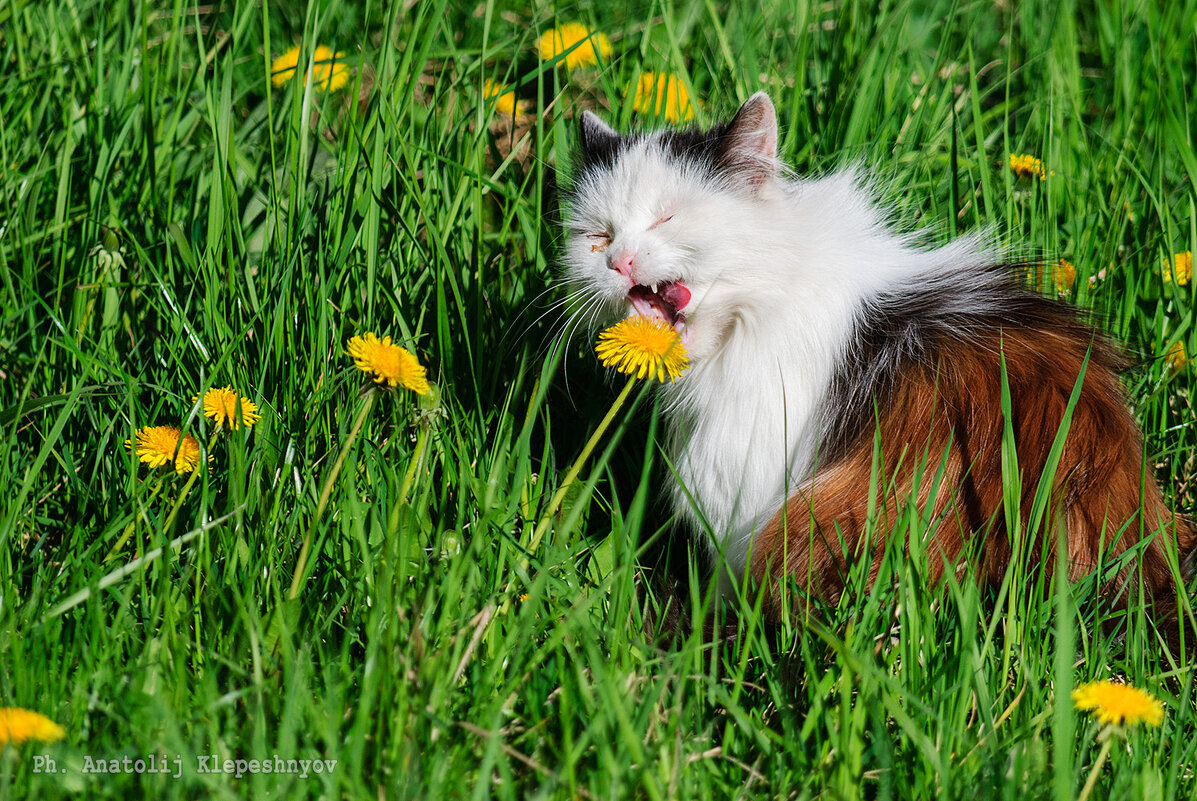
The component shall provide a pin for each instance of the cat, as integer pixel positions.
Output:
(815, 330)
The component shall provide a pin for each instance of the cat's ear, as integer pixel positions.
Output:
(596, 134)
(749, 146)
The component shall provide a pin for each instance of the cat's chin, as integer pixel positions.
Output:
(665, 301)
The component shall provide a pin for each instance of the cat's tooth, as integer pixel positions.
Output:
(654, 287)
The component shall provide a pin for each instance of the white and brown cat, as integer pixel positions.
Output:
(814, 327)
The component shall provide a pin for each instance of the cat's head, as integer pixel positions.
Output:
(658, 223)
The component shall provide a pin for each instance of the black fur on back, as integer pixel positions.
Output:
(901, 329)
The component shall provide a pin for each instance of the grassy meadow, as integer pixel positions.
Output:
(363, 575)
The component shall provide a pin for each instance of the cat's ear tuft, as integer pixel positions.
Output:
(596, 134)
(749, 146)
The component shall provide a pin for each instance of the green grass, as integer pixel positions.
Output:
(260, 228)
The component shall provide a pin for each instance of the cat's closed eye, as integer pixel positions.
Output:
(661, 221)
(599, 241)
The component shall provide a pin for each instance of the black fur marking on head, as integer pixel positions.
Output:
(710, 151)
(600, 145)
(704, 149)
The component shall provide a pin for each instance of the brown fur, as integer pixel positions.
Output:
(943, 416)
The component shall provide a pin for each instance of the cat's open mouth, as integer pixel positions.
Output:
(663, 300)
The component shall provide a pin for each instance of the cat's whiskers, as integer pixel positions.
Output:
(587, 321)
(555, 306)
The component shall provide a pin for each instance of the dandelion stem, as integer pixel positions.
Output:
(576, 467)
(183, 493)
(1097, 765)
(137, 516)
(325, 492)
(416, 459)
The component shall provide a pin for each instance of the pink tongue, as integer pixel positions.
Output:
(676, 295)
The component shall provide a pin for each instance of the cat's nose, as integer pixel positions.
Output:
(621, 263)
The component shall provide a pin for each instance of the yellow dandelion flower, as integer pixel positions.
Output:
(1180, 270)
(388, 362)
(18, 725)
(503, 99)
(1114, 703)
(156, 445)
(1176, 358)
(660, 95)
(1025, 166)
(583, 47)
(1065, 275)
(328, 71)
(643, 346)
(222, 405)
(283, 68)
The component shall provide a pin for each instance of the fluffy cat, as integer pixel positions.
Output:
(814, 327)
